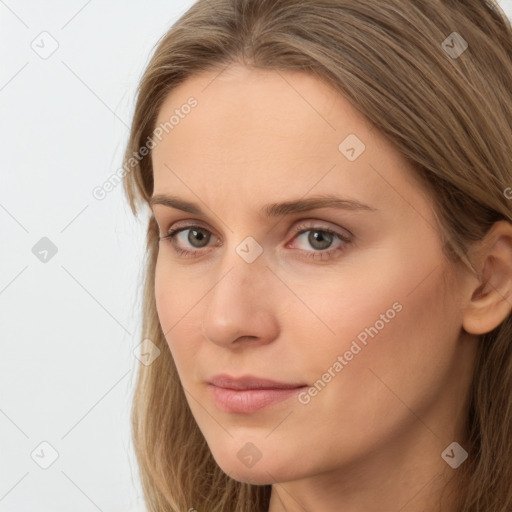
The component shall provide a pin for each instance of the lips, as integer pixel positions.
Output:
(248, 394)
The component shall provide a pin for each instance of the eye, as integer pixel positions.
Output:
(320, 239)
(197, 236)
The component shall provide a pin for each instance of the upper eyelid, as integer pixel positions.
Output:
(194, 222)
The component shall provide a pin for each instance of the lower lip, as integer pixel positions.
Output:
(249, 400)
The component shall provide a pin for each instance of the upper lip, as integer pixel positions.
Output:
(250, 382)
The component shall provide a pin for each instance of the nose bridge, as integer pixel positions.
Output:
(238, 305)
(239, 281)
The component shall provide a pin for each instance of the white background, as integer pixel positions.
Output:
(69, 325)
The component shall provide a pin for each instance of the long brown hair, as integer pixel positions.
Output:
(448, 109)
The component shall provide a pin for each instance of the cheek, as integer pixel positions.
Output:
(393, 299)
(175, 300)
(175, 292)
(397, 345)
(390, 318)
(420, 350)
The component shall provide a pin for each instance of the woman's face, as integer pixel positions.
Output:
(352, 302)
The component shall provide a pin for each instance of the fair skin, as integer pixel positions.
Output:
(372, 438)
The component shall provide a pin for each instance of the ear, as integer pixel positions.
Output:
(491, 297)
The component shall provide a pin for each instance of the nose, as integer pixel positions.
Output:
(239, 308)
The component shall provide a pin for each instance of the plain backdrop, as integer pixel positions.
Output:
(70, 263)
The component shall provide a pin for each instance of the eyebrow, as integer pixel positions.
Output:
(272, 209)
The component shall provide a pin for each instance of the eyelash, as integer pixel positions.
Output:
(299, 230)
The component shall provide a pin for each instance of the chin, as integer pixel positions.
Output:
(261, 472)
(248, 477)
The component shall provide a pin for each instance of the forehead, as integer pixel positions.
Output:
(284, 104)
(277, 133)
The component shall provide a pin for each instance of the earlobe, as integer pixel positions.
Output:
(491, 299)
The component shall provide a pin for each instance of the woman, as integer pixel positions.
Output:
(328, 289)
